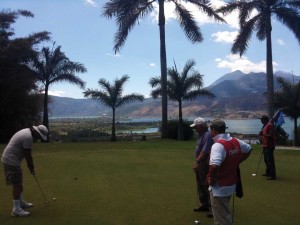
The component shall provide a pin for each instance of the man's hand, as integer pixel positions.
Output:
(196, 166)
(32, 171)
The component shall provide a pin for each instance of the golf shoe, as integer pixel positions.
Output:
(20, 213)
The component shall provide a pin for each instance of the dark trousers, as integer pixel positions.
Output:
(202, 187)
(269, 161)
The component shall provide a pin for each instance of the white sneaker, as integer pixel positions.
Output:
(20, 212)
(26, 205)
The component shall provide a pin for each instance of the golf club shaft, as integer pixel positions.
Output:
(40, 188)
(259, 162)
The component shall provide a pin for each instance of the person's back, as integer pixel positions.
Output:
(13, 153)
(226, 155)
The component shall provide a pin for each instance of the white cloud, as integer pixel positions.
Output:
(152, 64)
(55, 93)
(113, 55)
(224, 36)
(280, 42)
(235, 62)
(91, 3)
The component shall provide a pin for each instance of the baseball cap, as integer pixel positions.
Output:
(42, 130)
(218, 123)
(198, 121)
(264, 116)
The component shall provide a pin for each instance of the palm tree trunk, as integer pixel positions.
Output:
(113, 126)
(163, 68)
(45, 113)
(270, 83)
(180, 122)
(295, 132)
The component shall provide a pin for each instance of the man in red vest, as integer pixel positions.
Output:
(226, 155)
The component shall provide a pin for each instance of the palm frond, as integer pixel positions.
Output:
(205, 7)
(240, 44)
(128, 99)
(291, 19)
(155, 93)
(155, 81)
(188, 23)
(128, 14)
(192, 95)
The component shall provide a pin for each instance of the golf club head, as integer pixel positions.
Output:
(197, 222)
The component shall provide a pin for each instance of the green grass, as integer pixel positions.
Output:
(142, 183)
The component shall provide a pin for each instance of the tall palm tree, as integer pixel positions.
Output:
(111, 96)
(130, 12)
(184, 86)
(285, 11)
(288, 98)
(53, 66)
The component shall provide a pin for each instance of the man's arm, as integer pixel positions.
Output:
(213, 174)
(29, 160)
(202, 157)
(245, 156)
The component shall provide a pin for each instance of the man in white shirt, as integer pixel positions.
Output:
(18, 148)
(226, 155)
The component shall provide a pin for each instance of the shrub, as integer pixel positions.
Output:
(173, 130)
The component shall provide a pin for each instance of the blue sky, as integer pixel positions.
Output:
(87, 37)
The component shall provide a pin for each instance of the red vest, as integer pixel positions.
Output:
(228, 169)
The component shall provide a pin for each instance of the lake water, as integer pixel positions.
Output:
(247, 126)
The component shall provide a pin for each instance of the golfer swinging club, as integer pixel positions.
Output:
(19, 147)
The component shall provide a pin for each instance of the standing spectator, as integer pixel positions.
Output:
(202, 151)
(267, 135)
(19, 147)
(226, 155)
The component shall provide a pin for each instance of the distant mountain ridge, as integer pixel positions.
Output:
(238, 95)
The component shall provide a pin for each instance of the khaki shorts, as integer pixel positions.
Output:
(13, 174)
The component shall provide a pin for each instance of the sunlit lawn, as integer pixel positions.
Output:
(142, 183)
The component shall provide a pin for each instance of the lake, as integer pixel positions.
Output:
(246, 126)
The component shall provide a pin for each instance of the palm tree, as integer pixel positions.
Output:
(53, 66)
(288, 98)
(111, 96)
(285, 11)
(184, 86)
(130, 12)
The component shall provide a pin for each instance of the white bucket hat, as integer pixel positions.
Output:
(42, 130)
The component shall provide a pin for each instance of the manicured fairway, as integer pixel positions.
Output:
(143, 183)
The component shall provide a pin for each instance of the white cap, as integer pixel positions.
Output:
(198, 121)
(42, 130)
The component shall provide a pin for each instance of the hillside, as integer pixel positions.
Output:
(238, 95)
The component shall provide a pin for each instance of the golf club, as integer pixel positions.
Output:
(254, 174)
(197, 200)
(46, 201)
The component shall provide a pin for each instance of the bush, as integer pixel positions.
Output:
(173, 130)
(78, 135)
(281, 136)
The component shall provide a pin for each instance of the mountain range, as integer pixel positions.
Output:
(238, 95)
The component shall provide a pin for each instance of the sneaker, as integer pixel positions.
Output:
(20, 212)
(26, 205)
